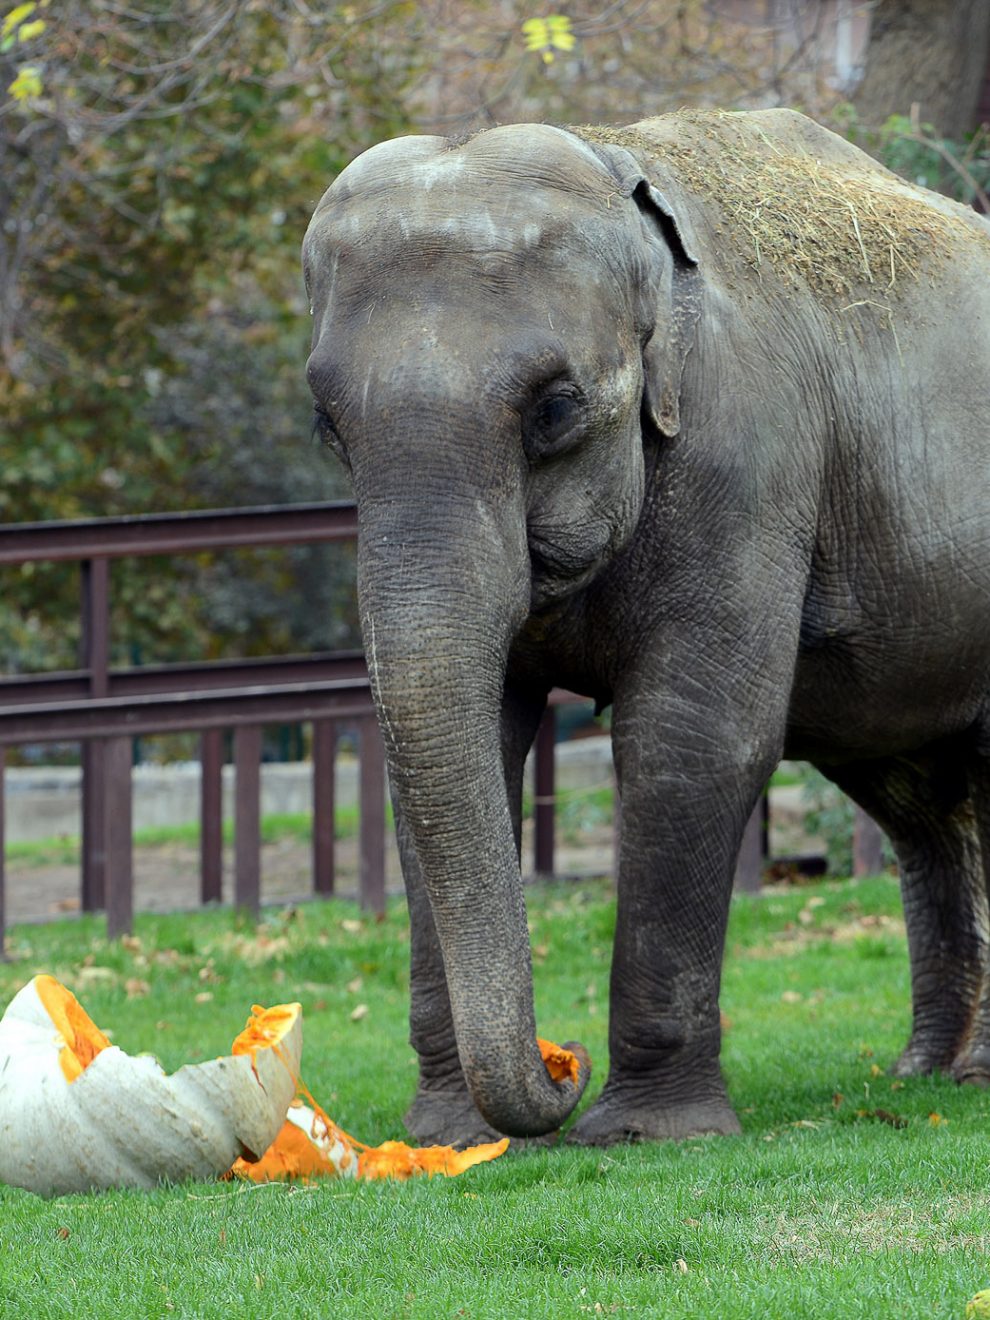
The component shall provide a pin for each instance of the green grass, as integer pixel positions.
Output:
(821, 1208)
(64, 850)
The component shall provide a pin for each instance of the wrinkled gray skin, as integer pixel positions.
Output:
(581, 457)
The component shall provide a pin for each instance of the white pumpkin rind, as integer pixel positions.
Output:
(326, 1141)
(124, 1122)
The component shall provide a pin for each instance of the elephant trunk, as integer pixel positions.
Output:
(439, 605)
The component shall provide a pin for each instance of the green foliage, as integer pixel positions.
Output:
(18, 29)
(830, 815)
(152, 322)
(915, 151)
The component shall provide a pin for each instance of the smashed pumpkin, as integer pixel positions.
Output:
(78, 1114)
(310, 1145)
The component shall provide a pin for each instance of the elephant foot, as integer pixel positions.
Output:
(622, 1116)
(447, 1118)
(451, 1118)
(921, 1057)
(972, 1066)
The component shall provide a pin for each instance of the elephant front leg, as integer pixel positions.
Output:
(686, 798)
(664, 1028)
(443, 1111)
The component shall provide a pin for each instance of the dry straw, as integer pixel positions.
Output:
(842, 225)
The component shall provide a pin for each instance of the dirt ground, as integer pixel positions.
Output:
(166, 877)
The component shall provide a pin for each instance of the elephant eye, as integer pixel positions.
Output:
(553, 423)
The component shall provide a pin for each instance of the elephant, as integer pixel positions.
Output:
(690, 417)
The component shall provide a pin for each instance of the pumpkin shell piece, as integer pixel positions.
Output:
(122, 1121)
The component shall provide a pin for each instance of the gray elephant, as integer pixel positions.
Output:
(692, 417)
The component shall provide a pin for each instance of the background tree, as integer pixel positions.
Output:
(159, 164)
(930, 53)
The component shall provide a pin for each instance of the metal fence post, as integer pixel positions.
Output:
(118, 753)
(544, 806)
(247, 818)
(324, 751)
(95, 647)
(211, 816)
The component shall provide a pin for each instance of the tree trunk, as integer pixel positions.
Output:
(933, 53)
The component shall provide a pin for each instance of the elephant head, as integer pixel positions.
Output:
(495, 324)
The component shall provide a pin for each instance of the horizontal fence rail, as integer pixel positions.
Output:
(105, 708)
(178, 533)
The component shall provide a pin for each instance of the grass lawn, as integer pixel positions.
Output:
(848, 1194)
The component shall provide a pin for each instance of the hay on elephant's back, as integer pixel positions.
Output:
(844, 229)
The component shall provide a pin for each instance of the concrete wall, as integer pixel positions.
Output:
(45, 803)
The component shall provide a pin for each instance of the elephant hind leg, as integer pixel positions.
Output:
(972, 1062)
(924, 806)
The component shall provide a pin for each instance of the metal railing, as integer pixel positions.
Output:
(106, 708)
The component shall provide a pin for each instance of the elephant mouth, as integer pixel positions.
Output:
(561, 562)
(560, 567)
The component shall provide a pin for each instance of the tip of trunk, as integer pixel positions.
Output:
(539, 1105)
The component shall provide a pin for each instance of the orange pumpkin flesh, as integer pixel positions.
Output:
(300, 1155)
(303, 1149)
(394, 1159)
(264, 1030)
(296, 1154)
(83, 1038)
(562, 1065)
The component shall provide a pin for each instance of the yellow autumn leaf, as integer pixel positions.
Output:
(548, 34)
(16, 17)
(28, 30)
(27, 84)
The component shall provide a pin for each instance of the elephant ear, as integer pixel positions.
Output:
(669, 281)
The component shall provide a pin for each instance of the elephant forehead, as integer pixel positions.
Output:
(497, 228)
(537, 152)
(480, 183)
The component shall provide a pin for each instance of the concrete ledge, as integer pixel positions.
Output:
(45, 802)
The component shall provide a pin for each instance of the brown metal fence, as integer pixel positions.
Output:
(105, 709)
